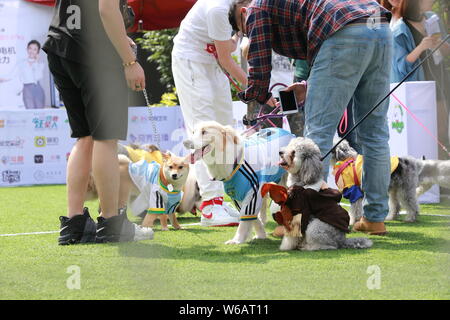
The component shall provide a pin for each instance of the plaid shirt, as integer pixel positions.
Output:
(295, 29)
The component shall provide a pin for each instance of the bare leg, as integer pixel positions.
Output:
(105, 169)
(126, 184)
(78, 171)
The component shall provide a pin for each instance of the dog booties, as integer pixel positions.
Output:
(323, 205)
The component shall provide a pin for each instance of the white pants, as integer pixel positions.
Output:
(204, 93)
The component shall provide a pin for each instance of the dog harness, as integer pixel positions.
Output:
(348, 176)
(258, 165)
(154, 197)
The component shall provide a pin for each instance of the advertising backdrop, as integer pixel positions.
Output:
(24, 74)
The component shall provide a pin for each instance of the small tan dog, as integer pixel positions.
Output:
(153, 188)
(150, 187)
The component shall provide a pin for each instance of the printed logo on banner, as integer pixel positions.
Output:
(49, 175)
(52, 141)
(148, 138)
(12, 160)
(39, 175)
(45, 122)
(11, 176)
(38, 158)
(397, 122)
(16, 143)
(13, 123)
(41, 141)
(145, 119)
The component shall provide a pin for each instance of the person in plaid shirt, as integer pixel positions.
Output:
(348, 45)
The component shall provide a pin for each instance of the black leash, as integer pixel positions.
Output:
(386, 97)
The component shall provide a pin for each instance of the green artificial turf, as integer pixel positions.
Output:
(412, 260)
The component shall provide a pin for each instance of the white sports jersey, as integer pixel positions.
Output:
(154, 197)
(259, 166)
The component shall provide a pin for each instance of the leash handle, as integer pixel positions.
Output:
(387, 96)
(343, 125)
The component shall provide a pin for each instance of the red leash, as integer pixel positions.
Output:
(211, 49)
(343, 125)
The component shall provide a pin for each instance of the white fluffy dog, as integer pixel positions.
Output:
(244, 165)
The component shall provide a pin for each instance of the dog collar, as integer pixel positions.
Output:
(237, 166)
(161, 181)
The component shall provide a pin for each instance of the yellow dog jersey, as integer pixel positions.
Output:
(348, 173)
(136, 155)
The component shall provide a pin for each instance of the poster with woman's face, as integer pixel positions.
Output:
(24, 74)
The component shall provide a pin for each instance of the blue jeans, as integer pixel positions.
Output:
(351, 138)
(356, 62)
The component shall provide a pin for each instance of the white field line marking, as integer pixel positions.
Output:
(50, 232)
(187, 225)
(27, 233)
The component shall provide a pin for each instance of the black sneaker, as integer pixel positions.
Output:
(120, 229)
(78, 229)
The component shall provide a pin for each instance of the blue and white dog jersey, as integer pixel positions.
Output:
(258, 165)
(154, 196)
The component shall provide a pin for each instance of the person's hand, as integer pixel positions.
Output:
(299, 89)
(135, 77)
(429, 42)
(131, 41)
(272, 102)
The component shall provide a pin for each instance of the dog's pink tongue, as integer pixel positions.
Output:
(199, 153)
(196, 155)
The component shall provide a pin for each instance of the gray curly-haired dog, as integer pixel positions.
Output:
(402, 187)
(301, 159)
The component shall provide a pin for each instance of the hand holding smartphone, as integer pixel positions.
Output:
(288, 102)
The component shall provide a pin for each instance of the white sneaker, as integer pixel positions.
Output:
(231, 210)
(142, 233)
(214, 214)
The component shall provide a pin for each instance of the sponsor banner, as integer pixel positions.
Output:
(35, 145)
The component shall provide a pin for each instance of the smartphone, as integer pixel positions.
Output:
(288, 102)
